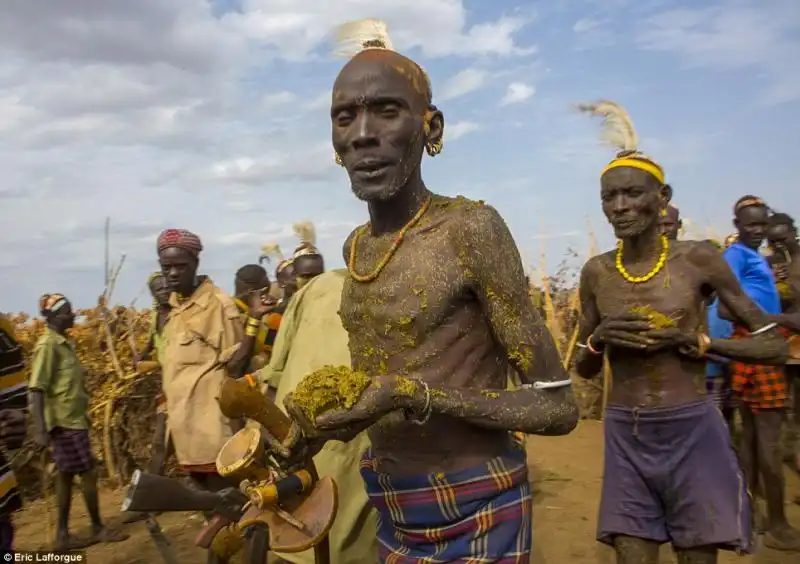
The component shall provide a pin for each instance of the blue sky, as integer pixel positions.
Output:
(214, 117)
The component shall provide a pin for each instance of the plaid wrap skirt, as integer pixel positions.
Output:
(481, 514)
(71, 450)
(758, 386)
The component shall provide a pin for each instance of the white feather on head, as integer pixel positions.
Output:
(618, 129)
(269, 251)
(305, 231)
(358, 35)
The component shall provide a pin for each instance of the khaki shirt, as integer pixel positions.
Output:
(312, 336)
(59, 375)
(202, 334)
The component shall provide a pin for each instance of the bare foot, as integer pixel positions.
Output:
(65, 543)
(109, 535)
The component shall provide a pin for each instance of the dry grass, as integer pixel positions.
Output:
(123, 402)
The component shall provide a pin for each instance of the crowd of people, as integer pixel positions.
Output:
(434, 290)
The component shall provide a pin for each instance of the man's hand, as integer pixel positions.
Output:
(671, 338)
(13, 428)
(257, 304)
(42, 439)
(625, 330)
(381, 397)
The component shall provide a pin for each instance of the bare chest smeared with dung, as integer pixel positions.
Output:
(674, 298)
(420, 318)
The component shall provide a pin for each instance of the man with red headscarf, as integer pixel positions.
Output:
(203, 344)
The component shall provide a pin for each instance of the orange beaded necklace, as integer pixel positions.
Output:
(398, 240)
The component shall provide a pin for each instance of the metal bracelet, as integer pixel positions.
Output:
(764, 329)
(426, 411)
(547, 385)
(590, 347)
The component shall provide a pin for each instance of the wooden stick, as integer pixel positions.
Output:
(46, 497)
(607, 383)
(575, 305)
(106, 271)
(111, 465)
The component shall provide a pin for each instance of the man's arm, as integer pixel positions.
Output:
(44, 366)
(236, 347)
(588, 364)
(766, 348)
(493, 265)
(790, 318)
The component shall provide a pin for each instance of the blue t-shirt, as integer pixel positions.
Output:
(755, 276)
(718, 328)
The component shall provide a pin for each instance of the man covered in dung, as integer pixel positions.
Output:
(671, 474)
(436, 308)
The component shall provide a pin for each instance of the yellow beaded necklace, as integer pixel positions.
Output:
(351, 263)
(662, 260)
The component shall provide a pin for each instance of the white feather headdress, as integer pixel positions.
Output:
(355, 36)
(307, 234)
(618, 129)
(619, 132)
(270, 251)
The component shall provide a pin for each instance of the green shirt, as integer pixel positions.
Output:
(58, 373)
(158, 337)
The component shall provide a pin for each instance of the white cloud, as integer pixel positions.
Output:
(763, 36)
(276, 99)
(459, 129)
(517, 92)
(166, 114)
(462, 83)
(585, 25)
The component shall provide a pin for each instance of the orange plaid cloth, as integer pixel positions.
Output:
(759, 386)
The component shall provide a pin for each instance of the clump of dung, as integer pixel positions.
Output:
(657, 319)
(330, 388)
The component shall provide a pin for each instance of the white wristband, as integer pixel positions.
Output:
(548, 385)
(764, 329)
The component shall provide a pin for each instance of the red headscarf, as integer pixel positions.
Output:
(181, 239)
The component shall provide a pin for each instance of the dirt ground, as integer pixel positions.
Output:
(566, 473)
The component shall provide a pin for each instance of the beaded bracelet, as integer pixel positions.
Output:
(703, 343)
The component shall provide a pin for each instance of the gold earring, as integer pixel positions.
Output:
(663, 212)
(337, 158)
(434, 149)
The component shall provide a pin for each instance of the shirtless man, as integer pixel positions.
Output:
(436, 293)
(785, 263)
(671, 474)
(671, 223)
(252, 299)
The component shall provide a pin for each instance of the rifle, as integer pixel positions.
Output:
(288, 497)
(149, 493)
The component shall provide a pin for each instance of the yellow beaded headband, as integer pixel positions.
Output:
(618, 131)
(646, 166)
